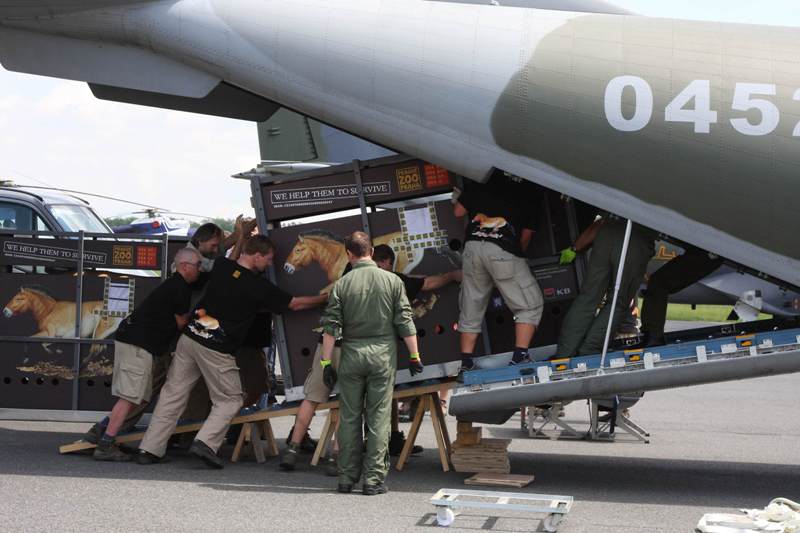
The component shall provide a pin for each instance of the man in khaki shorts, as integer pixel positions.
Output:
(498, 233)
(315, 392)
(142, 337)
(236, 291)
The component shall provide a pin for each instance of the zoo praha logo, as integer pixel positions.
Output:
(122, 256)
(408, 179)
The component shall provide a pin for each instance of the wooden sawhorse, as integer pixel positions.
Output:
(428, 401)
(258, 438)
(256, 435)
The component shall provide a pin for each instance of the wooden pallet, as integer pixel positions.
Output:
(258, 416)
(499, 480)
(490, 456)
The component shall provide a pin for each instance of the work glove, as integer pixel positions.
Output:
(328, 373)
(415, 365)
(568, 255)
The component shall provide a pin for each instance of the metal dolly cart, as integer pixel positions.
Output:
(555, 507)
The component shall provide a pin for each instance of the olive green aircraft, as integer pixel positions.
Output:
(690, 128)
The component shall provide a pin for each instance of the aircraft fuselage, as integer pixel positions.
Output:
(690, 128)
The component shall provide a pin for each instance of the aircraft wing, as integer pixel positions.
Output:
(116, 72)
(43, 8)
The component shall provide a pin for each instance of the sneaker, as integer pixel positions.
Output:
(201, 450)
(147, 458)
(373, 490)
(396, 443)
(289, 457)
(307, 445)
(465, 367)
(520, 357)
(110, 451)
(94, 434)
(344, 488)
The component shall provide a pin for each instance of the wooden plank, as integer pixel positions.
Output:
(499, 480)
(412, 436)
(427, 389)
(471, 438)
(265, 414)
(485, 445)
(464, 427)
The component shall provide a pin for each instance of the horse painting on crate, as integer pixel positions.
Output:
(56, 318)
(327, 250)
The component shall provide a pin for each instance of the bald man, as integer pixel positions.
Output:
(144, 336)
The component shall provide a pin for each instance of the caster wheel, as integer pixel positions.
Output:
(445, 516)
(551, 522)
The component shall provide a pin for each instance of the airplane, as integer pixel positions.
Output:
(689, 128)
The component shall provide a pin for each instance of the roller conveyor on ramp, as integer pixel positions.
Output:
(492, 396)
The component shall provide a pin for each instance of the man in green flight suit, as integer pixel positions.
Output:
(583, 330)
(368, 309)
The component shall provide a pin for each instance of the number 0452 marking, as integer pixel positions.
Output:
(693, 105)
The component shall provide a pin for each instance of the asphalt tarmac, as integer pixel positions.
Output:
(714, 448)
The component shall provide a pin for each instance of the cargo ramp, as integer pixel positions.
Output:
(710, 355)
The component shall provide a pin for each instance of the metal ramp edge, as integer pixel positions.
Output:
(490, 395)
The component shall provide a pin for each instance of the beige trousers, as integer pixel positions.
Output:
(191, 362)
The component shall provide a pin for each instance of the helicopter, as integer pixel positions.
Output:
(155, 222)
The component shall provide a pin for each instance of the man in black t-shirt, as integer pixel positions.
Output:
(499, 229)
(236, 291)
(144, 335)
